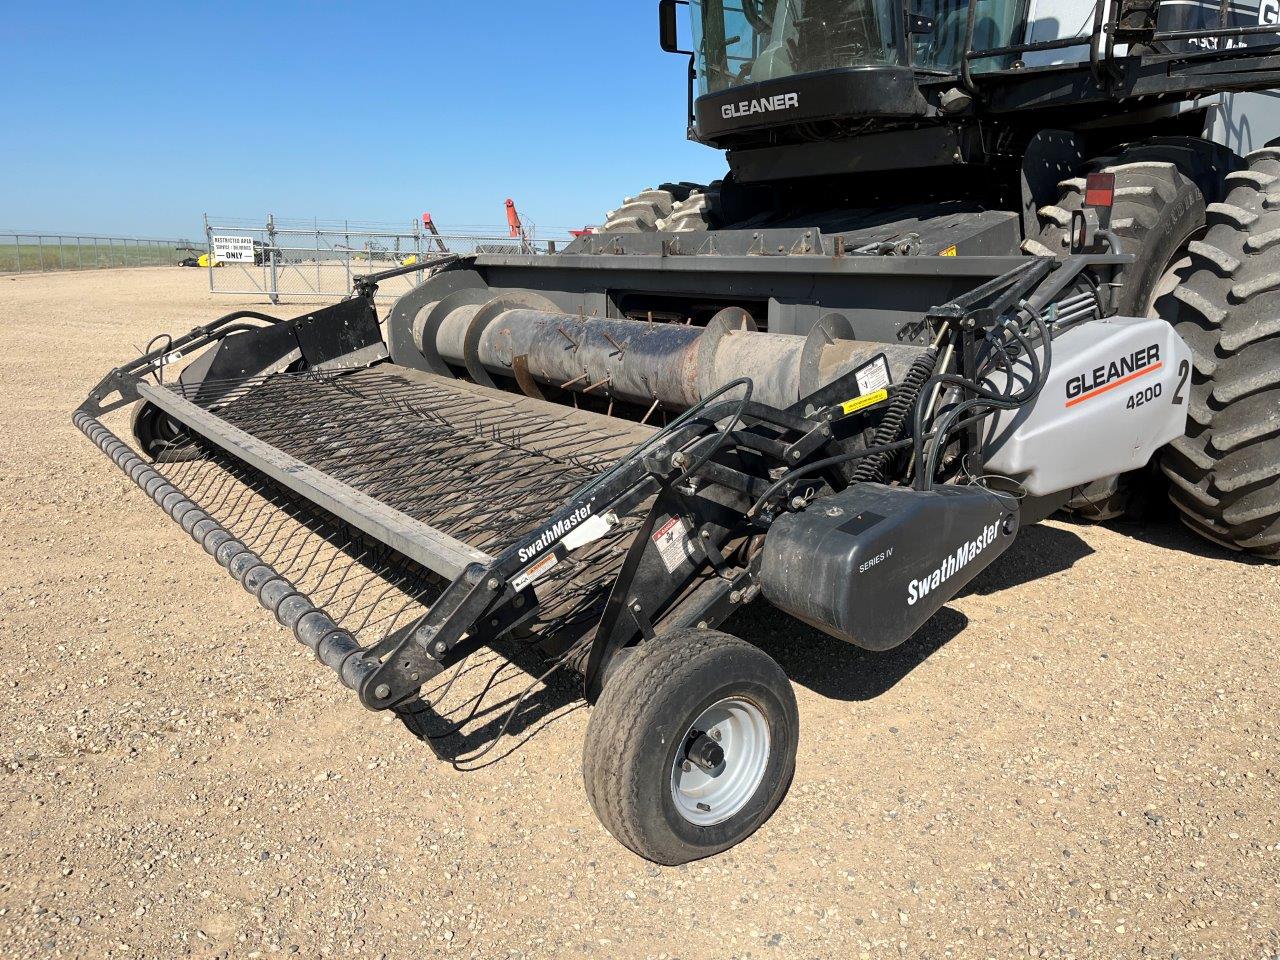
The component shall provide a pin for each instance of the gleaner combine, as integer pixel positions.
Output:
(955, 279)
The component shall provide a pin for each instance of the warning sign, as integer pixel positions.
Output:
(861, 403)
(672, 541)
(873, 375)
(233, 249)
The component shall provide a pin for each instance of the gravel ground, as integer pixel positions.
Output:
(1075, 758)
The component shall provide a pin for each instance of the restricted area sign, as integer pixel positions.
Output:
(233, 249)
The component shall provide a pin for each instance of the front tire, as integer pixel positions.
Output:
(668, 789)
(1225, 473)
(1158, 208)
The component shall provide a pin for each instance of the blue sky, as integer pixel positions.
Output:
(137, 118)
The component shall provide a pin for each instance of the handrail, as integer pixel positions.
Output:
(1103, 53)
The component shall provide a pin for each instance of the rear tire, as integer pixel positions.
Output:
(1225, 473)
(679, 207)
(642, 728)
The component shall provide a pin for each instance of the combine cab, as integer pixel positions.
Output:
(942, 293)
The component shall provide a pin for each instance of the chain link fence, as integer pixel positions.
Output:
(42, 252)
(311, 259)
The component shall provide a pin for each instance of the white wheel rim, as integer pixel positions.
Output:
(707, 797)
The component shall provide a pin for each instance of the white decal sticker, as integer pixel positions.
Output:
(592, 529)
(534, 571)
(672, 540)
(554, 533)
(873, 376)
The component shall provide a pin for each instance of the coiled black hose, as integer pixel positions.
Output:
(872, 469)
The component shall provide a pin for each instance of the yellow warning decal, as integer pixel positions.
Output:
(864, 401)
(949, 252)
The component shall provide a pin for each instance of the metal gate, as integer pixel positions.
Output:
(317, 259)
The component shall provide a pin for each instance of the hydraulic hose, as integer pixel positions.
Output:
(985, 398)
(872, 469)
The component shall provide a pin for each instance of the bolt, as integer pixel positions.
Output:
(493, 583)
(441, 646)
(414, 675)
(795, 454)
(686, 766)
(705, 534)
(382, 691)
(635, 608)
(519, 601)
(716, 734)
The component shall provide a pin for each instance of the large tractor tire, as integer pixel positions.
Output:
(681, 207)
(1225, 473)
(1160, 198)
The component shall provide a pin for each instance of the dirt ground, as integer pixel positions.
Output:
(1076, 758)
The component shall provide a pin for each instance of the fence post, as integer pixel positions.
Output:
(346, 250)
(17, 252)
(208, 245)
(273, 291)
(40, 250)
(79, 253)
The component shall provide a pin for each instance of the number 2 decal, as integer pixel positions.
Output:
(1184, 371)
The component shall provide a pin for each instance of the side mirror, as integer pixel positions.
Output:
(667, 26)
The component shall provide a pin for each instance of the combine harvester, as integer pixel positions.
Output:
(954, 281)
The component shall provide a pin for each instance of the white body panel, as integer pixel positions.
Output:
(1117, 391)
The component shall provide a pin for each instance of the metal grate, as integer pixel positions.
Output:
(483, 466)
(476, 465)
(366, 587)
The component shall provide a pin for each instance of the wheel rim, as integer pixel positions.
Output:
(707, 797)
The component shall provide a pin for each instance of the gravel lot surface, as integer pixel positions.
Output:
(1078, 757)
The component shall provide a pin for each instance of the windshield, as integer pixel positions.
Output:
(747, 41)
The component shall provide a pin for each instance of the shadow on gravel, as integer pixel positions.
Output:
(842, 671)
(833, 668)
(498, 704)
(1037, 552)
(501, 705)
(1168, 533)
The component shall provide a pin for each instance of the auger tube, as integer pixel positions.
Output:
(637, 362)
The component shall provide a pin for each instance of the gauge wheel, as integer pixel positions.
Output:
(691, 746)
(159, 436)
(1224, 475)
